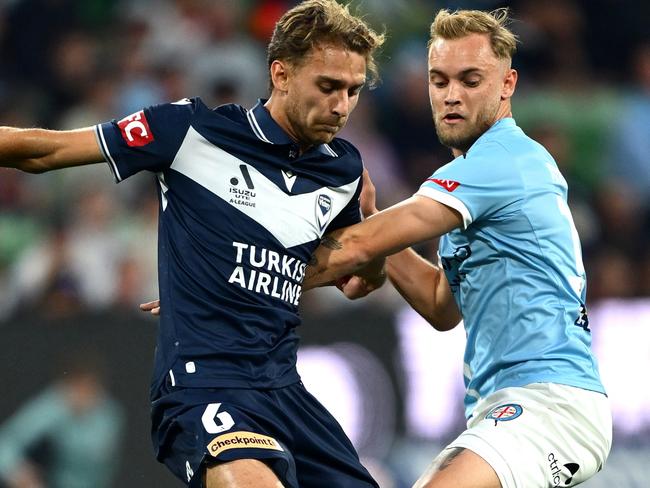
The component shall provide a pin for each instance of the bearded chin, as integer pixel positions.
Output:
(464, 140)
(461, 142)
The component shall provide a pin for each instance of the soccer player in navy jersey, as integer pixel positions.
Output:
(245, 198)
(510, 268)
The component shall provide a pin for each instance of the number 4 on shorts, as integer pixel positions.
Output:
(214, 422)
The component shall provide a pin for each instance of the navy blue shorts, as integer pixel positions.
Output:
(287, 428)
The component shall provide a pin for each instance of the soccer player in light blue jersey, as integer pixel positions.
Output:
(510, 268)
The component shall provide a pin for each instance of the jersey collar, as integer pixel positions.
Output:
(266, 129)
(499, 124)
(504, 122)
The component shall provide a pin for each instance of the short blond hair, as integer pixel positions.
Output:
(461, 23)
(315, 22)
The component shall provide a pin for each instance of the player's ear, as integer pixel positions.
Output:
(509, 83)
(280, 72)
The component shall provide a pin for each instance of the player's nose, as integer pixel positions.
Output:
(342, 104)
(452, 97)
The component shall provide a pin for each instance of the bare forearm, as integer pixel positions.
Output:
(374, 273)
(414, 220)
(335, 258)
(40, 150)
(320, 271)
(424, 286)
(22, 148)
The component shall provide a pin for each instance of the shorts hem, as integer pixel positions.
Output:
(487, 452)
(276, 461)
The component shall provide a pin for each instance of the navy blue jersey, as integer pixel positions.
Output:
(241, 212)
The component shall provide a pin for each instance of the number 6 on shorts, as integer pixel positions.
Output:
(210, 418)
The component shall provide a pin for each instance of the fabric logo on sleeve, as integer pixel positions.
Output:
(242, 440)
(135, 129)
(449, 185)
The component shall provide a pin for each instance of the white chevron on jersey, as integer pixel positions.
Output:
(163, 189)
(289, 179)
(183, 101)
(291, 219)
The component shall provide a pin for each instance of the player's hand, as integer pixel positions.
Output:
(368, 197)
(354, 287)
(151, 307)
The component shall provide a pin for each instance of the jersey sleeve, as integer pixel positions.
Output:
(146, 140)
(351, 213)
(483, 185)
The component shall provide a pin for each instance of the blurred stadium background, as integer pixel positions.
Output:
(77, 253)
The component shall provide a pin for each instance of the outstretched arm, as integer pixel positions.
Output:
(423, 285)
(347, 250)
(40, 150)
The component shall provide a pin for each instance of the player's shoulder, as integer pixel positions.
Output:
(231, 111)
(169, 115)
(194, 112)
(510, 154)
(497, 142)
(349, 154)
(505, 143)
(348, 162)
(184, 105)
(196, 107)
(506, 137)
(489, 157)
(343, 147)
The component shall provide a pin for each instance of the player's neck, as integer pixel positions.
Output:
(503, 112)
(279, 115)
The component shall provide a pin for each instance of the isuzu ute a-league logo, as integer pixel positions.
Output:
(323, 210)
(242, 194)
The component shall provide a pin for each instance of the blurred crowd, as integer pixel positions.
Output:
(72, 239)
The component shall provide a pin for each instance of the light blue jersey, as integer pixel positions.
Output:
(515, 267)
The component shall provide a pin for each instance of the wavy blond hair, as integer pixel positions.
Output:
(453, 25)
(323, 21)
